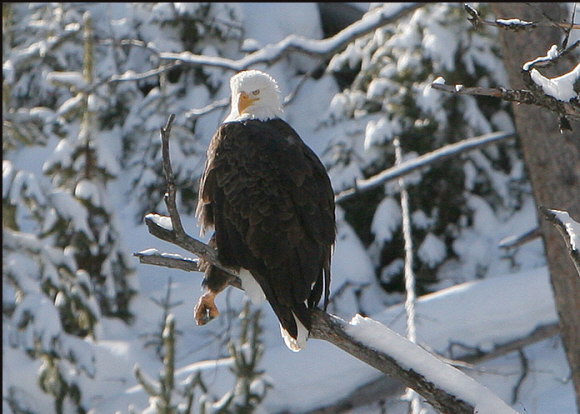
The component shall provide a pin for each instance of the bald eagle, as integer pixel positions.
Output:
(270, 202)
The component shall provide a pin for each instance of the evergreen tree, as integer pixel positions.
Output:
(81, 168)
(390, 96)
(63, 267)
(48, 302)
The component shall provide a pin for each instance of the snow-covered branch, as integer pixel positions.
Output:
(569, 229)
(423, 161)
(171, 260)
(469, 356)
(446, 388)
(559, 94)
(325, 47)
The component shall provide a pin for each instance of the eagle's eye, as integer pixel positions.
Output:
(256, 92)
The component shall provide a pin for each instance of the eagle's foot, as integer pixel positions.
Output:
(205, 310)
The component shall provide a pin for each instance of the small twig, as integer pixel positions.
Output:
(512, 24)
(175, 261)
(525, 368)
(171, 189)
(544, 61)
(290, 97)
(130, 76)
(568, 30)
(139, 43)
(519, 240)
(475, 355)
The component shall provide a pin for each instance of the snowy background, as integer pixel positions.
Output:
(81, 168)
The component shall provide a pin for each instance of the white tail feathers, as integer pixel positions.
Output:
(251, 287)
(298, 343)
(256, 294)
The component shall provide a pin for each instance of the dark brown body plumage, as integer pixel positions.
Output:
(270, 201)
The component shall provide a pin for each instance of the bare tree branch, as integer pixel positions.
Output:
(175, 234)
(524, 96)
(132, 76)
(525, 370)
(176, 261)
(215, 105)
(171, 190)
(477, 356)
(423, 161)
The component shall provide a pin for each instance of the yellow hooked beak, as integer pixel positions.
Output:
(245, 101)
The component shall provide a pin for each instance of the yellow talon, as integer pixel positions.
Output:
(205, 310)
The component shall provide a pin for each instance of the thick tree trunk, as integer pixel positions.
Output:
(552, 159)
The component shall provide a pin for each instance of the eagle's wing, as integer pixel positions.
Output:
(271, 203)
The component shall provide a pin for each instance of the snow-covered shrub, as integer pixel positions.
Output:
(168, 395)
(48, 303)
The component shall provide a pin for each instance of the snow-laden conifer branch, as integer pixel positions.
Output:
(423, 161)
(444, 387)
